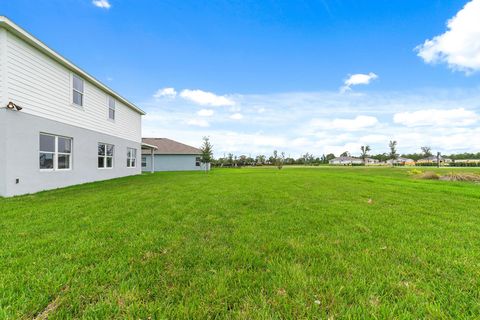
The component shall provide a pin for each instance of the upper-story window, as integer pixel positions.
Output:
(111, 108)
(78, 87)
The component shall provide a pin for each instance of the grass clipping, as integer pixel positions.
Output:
(452, 176)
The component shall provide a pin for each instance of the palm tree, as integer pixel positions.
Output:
(364, 153)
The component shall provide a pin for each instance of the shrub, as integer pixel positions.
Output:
(415, 171)
(429, 175)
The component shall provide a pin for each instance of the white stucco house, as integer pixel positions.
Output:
(346, 161)
(170, 155)
(59, 126)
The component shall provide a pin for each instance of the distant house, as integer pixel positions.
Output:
(433, 159)
(170, 155)
(402, 161)
(468, 161)
(345, 161)
(371, 161)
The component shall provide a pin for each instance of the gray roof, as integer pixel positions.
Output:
(168, 146)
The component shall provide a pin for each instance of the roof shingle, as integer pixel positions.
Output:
(167, 146)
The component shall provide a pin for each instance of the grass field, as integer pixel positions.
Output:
(244, 243)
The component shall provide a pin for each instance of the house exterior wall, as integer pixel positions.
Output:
(3, 153)
(43, 87)
(173, 163)
(20, 159)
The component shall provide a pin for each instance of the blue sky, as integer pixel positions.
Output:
(262, 75)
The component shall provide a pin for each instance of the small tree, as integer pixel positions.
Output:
(278, 160)
(427, 151)
(364, 153)
(207, 153)
(393, 155)
(345, 154)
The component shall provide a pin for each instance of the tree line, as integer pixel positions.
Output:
(279, 159)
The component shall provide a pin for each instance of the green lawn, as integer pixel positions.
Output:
(244, 243)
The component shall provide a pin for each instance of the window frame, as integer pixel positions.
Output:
(105, 157)
(130, 158)
(114, 109)
(55, 153)
(144, 163)
(198, 161)
(82, 93)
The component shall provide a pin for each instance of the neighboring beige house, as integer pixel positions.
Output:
(433, 159)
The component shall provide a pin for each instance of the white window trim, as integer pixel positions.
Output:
(130, 158)
(56, 153)
(72, 75)
(105, 156)
(114, 108)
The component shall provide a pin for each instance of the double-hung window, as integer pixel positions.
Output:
(111, 108)
(144, 162)
(197, 161)
(131, 158)
(78, 88)
(55, 152)
(105, 155)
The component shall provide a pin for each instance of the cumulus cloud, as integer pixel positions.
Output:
(459, 46)
(102, 4)
(198, 123)
(205, 98)
(236, 116)
(341, 122)
(165, 93)
(436, 117)
(205, 112)
(358, 79)
(355, 124)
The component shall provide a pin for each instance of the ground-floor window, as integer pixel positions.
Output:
(197, 161)
(105, 155)
(131, 158)
(144, 162)
(55, 152)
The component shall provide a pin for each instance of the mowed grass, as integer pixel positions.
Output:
(247, 244)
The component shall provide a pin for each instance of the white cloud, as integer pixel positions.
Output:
(341, 122)
(355, 124)
(459, 46)
(205, 112)
(102, 4)
(358, 79)
(165, 93)
(205, 98)
(198, 123)
(436, 117)
(236, 116)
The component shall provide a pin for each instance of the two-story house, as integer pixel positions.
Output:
(59, 126)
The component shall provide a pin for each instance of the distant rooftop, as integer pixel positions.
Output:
(168, 146)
